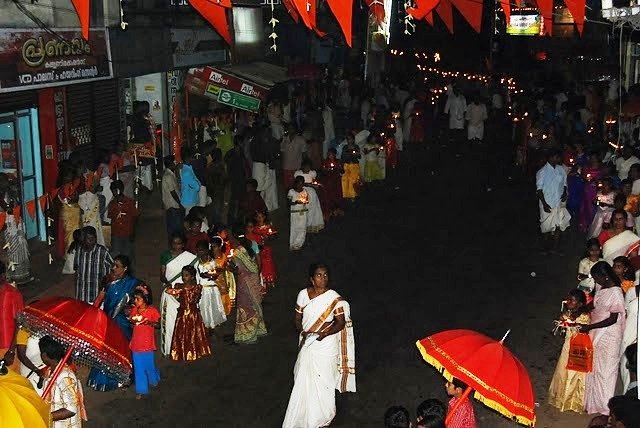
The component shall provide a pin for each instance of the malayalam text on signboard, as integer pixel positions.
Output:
(31, 59)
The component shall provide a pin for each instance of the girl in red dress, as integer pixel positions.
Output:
(263, 231)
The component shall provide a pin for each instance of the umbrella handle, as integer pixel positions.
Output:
(56, 373)
(459, 401)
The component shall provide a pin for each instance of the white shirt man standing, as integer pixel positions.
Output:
(476, 115)
(551, 185)
(456, 107)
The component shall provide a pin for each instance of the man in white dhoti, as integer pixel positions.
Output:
(551, 185)
(329, 129)
(326, 356)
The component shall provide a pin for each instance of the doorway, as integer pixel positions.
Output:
(20, 159)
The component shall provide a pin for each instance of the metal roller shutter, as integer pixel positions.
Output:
(106, 115)
(12, 101)
(93, 110)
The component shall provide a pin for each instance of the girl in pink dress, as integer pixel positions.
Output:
(606, 328)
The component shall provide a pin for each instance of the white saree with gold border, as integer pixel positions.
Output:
(322, 366)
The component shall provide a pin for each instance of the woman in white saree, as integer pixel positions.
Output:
(617, 240)
(172, 261)
(326, 356)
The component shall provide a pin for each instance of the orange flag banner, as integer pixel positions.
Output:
(343, 10)
(546, 10)
(577, 9)
(42, 200)
(506, 8)
(3, 219)
(215, 14)
(445, 11)
(471, 11)
(82, 10)
(31, 208)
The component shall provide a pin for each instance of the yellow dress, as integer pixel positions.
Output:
(567, 388)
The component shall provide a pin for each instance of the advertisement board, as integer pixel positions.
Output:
(524, 25)
(226, 88)
(34, 58)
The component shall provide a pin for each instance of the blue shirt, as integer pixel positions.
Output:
(189, 186)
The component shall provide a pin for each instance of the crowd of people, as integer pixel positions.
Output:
(595, 188)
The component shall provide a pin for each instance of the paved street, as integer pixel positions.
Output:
(427, 250)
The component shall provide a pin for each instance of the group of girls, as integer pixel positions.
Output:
(605, 306)
(202, 287)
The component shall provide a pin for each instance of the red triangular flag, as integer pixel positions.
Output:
(446, 14)
(216, 15)
(506, 8)
(471, 11)
(307, 11)
(343, 9)
(43, 203)
(17, 213)
(3, 219)
(82, 10)
(424, 7)
(546, 10)
(577, 7)
(291, 8)
(31, 208)
(377, 9)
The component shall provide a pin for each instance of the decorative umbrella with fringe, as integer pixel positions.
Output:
(499, 379)
(92, 337)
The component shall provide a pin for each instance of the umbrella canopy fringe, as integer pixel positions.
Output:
(484, 400)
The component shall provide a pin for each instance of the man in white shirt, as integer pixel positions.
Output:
(456, 107)
(624, 162)
(551, 185)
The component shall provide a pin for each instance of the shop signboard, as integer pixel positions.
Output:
(34, 58)
(208, 78)
(238, 100)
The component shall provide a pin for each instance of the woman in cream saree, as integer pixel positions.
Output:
(326, 356)
(172, 261)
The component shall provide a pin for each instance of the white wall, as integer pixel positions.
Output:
(153, 89)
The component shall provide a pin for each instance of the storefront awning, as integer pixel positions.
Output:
(262, 73)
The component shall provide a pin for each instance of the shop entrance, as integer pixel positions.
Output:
(20, 159)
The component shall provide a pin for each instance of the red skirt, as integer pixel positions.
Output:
(332, 192)
(268, 266)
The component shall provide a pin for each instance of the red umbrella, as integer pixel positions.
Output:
(499, 379)
(92, 337)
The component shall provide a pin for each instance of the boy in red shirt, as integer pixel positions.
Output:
(123, 214)
(464, 417)
(143, 343)
(194, 234)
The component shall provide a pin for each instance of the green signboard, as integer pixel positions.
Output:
(238, 100)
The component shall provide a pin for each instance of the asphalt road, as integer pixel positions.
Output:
(427, 250)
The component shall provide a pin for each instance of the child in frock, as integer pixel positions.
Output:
(144, 318)
(566, 391)
(189, 341)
